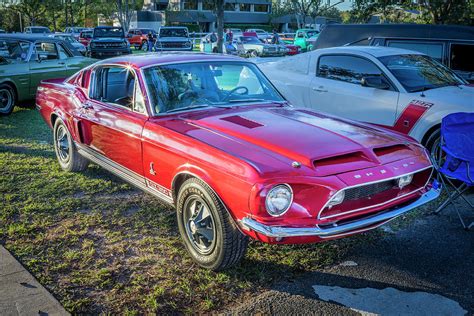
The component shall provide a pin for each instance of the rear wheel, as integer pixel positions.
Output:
(209, 233)
(68, 157)
(253, 53)
(7, 99)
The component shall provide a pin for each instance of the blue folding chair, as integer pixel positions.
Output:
(457, 142)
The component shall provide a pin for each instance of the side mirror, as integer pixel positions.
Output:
(376, 82)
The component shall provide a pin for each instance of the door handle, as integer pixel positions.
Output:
(87, 106)
(320, 89)
(61, 63)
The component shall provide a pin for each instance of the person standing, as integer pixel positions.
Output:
(275, 37)
(150, 41)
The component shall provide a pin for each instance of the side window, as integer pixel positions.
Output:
(46, 51)
(300, 35)
(346, 68)
(139, 101)
(434, 50)
(461, 57)
(114, 85)
(63, 53)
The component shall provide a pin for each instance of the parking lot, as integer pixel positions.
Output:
(100, 255)
(236, 158)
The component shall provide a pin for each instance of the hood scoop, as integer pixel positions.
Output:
(242, 121)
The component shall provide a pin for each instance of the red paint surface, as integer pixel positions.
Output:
(409, 117)
(240, 152)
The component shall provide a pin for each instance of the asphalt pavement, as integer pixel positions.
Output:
(20, 292)
(424, 268)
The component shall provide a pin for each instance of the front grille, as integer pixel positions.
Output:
(108, 45)
(369, 190)
(172, 44)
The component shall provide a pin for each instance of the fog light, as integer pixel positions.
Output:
(338, 198)
(404, 181)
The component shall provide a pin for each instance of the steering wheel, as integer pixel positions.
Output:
(233, 91)
(187, 93)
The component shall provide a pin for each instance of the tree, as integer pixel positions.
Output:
(304, 8)
(125, 11)
(444, 11)
(219, 8)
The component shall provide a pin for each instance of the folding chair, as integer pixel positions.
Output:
(457, 142)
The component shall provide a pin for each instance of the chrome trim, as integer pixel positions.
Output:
(289, 205)
(373, 182)
(361, 225)
(126, 174)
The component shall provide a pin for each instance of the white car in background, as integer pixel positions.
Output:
(400, 89)
(261, 34)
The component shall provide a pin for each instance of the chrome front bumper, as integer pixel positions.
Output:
(336, 231)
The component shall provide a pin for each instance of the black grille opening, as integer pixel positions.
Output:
(369, 190)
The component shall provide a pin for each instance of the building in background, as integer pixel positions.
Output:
(200, 12)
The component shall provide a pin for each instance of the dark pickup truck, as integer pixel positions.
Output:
(108, 41)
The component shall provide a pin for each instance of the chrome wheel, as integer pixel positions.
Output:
(62, 143)
(6, 99)
(253, 54)
(437, 154)
(199, 225)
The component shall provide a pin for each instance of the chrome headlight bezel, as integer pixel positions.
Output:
(337, 198)
(274, 211)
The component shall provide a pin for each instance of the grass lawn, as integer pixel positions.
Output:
(101, 246)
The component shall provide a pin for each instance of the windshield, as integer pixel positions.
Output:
(13, 50)
(219, 84)
(250, 39)
(69, 39)
(40, 30)
(420, 72)
(108, 32)
(312, 33)
(173, 33)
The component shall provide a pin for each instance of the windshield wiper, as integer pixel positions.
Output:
(245, 100)
(188, 108)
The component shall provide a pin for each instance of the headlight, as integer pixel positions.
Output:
(405, 180)
(338, 198)
(279, 200)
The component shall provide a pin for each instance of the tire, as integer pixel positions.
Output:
(201, 215)
(253, 53)
(7, 99)
(433, 146)
(66, 153)
(214, 50)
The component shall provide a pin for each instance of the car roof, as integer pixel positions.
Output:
(150, 59)
(341, 34)
(173, 27)
(29, 37)
(375, 51)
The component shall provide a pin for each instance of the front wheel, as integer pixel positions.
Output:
(433, 144)
(68, 157)
(208, 231)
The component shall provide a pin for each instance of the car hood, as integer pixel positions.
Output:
(300, 135)
(462, 96)
(173, 39)
(108, 40)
